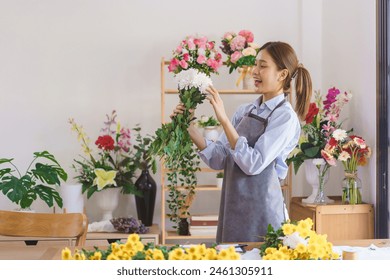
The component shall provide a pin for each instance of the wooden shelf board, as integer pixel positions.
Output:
(199, 188)
(171, 234)
(226, 91)
(202, 169)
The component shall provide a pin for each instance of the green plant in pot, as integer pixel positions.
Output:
(37, 182)
(172, 142)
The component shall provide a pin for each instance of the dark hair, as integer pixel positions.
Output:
(285, 57)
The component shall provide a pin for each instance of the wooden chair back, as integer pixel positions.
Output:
(53, 225)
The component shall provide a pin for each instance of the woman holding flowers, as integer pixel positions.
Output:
(255, 144)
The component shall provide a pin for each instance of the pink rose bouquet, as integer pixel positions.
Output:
(196, 53)
(240, 49)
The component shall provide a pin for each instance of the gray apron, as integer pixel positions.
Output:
(249, 203)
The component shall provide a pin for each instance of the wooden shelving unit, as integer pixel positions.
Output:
(167, 234)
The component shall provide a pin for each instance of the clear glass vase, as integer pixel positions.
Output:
(320, 197)
(351, 186)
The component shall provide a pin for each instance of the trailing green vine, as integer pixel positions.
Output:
(194, 59)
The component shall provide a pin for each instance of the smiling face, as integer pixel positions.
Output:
(268, 79)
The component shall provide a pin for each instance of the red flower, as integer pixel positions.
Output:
(105, 142)
(313, 111)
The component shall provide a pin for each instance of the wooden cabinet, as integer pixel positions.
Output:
(170, 234)
(339, 221)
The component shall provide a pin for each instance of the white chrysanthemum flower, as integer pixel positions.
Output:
(292, 240)
(339, 134)
(344, 156)
(318, 161)
(193, 78)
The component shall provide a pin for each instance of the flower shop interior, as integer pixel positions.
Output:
(74, 71)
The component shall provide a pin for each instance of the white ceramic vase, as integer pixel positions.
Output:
(245, 77)
(312, 174)
(72, 198)
(211, 133)
(219, 183)
(107, 200)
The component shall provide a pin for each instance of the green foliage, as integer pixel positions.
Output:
(173, 144)
(249, 60)
(272, 239)
(25, 189)
(220, 175)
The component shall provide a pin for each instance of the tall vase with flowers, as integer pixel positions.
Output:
(194, 60)
(320, 122)
(352, 151)
(112, 166)
(241, 54)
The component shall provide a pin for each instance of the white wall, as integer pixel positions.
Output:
(349, 63)
(81, 59)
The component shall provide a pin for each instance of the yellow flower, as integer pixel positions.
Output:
(288, 229)
(133, 238)
(104, 178)
(158, 255)
(112, 257)
(96, 256)
(301, 248)
(66, 254)
(176, 254)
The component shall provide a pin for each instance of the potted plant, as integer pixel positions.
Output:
(111, 169)
(210, 127)
(219, 179)
(38, 182)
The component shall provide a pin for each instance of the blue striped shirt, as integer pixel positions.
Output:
(279, 139)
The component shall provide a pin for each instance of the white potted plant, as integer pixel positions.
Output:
(219, 180)
(210, 127)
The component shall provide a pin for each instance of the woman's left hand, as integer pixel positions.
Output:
(217, 103)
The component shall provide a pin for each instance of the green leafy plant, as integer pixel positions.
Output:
(207, 121)
(172, 142)
(143, 159)
(220, 175)
(37, 182)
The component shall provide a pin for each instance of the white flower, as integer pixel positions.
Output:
(254, 45)
(292, 240)
(318, 161)
(204, 118)
(249, 51)
(192, 78)
(344, 156)
(201, 52)
(339, 134)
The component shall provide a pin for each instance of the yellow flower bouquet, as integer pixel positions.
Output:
(296, 241)
(134, 249)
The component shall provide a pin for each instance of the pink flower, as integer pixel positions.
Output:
(328, 157)
(179, 49)
(191, 44)
(201, 59)
(183, 64)
(201, 42)
(235, 56)
(173, 65)
(248, 35)
(186, 56)
(210, 45)
(238, 43)
(214, 64)
(360, 142)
